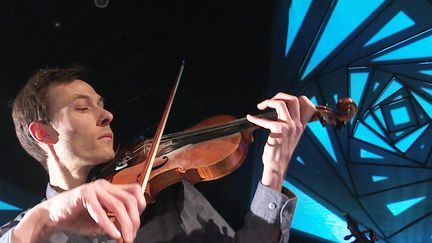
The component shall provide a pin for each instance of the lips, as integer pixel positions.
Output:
(108, 135)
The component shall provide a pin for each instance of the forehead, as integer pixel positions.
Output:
(60, 95)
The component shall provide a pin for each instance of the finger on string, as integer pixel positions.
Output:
(273, 126)
(293, 107)
(280, 107)
(293, 104)
(283, 96)
(308, 109)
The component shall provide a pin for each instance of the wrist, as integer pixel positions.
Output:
(36, 226)
(272, 179)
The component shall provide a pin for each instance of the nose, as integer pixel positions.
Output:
(105, 118)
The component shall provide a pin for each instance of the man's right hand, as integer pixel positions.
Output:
(83, 210)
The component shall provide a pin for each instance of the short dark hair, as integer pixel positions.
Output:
(31, 104)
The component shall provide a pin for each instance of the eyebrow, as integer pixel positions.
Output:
(87, 97)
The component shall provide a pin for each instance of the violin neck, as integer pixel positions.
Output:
(179, 139)
(228, 128)
(271, 115)
(242, 123)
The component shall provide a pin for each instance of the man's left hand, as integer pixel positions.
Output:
(293, 114)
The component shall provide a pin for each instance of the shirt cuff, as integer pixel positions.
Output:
(273, 206)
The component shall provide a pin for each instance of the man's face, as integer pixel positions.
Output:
(78, 115)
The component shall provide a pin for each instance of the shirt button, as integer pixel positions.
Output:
(272, 205)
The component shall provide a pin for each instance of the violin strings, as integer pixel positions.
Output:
(226, 128)
(231, 124)
(185, 135)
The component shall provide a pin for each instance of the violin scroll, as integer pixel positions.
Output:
(347, 109)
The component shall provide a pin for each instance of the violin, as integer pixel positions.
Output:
(209, 150)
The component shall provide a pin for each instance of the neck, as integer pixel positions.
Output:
(65, 177)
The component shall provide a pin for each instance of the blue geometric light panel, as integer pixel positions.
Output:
(378, 168)
(6, 207)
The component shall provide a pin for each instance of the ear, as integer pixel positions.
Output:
(43, 132)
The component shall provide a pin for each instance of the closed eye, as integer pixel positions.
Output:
(82, 109)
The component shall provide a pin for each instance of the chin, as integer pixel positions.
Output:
(109, 157)
(104, 158)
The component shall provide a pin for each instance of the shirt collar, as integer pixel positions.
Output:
(52, 191)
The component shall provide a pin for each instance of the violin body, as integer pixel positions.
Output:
(193, 161)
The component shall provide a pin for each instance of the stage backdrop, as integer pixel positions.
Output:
(378, 167)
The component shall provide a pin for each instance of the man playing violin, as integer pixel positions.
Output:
(60, 120)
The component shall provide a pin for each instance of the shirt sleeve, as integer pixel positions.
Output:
(268, 220)
(6, 231)
(6, 237)
(270, 216)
